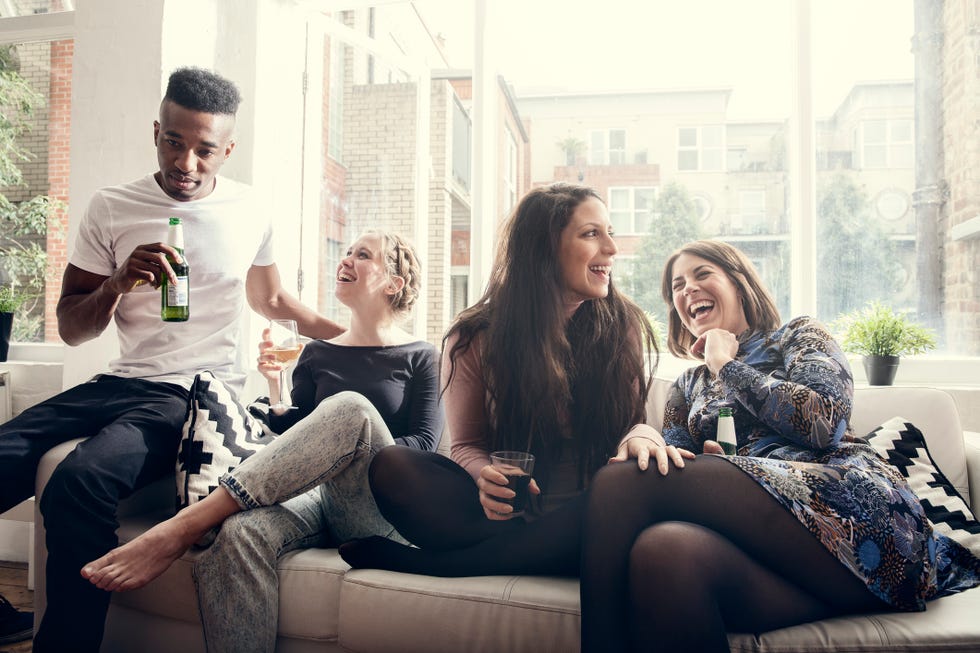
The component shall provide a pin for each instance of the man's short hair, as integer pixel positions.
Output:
(202, 90)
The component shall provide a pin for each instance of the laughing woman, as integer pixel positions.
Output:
(369, 388)
(551, 360)
(806, 522)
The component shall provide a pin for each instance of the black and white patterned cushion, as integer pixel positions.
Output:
(904, 447)
(218, 435)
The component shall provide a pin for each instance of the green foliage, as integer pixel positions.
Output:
(856, 262)
(23, 224)
(674, 223)
(659, 330)
(17, 103)
(877, 330)
(10, 299)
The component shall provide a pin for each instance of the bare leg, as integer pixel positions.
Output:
(136, 563)
(341, 434)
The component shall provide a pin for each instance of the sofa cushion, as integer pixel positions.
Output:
(932, 411)
(218, 434)
(388, 611)
(309, 590)
(904, 447)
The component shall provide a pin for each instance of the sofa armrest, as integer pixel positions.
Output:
(157, 499)
(971, 443)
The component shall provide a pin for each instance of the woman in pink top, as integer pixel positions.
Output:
(552, 360)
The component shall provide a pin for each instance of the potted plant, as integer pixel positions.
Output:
(881, 336)
(10, 301)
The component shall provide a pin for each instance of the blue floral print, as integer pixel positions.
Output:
(790, 393)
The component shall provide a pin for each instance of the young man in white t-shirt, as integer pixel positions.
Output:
(133, 414)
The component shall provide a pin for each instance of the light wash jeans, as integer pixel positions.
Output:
(307, 488)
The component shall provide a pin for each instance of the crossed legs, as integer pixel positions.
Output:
(674, 563)
(338, 439)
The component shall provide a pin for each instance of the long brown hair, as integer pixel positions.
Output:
(548, 376)
(760, 310)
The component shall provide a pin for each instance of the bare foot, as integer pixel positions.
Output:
(136, 563)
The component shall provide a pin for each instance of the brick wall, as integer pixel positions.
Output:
(961, 136)
(436, 292)
(59, 141)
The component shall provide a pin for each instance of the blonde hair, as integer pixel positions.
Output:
(401, 261)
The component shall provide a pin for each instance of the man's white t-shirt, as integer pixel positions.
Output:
(225, 233)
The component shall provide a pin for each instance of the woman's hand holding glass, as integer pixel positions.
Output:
(644, 443)
(278, 349)
(493, 488)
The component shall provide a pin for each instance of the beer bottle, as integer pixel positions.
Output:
(726, 431)
(175, 298)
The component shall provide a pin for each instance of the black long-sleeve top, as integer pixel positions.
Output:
(401, 381)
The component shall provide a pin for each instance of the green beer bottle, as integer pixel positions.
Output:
(726, 431)
(175, 297)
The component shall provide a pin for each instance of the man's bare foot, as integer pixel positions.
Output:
(136, 563)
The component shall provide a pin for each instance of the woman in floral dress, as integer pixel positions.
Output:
(805, 522)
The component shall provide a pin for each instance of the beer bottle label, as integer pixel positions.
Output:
(177, 293)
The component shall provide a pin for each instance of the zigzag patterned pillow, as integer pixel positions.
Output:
(218, 435)
(904, 447)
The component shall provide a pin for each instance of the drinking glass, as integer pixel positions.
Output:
(517, 466)
(286, 348)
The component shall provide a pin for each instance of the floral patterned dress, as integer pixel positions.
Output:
(790, 393)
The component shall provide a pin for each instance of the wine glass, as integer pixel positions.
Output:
(286, 348)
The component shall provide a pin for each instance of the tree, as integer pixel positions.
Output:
(23, 224)
(674, 222)
(572, 148)
(856, 262)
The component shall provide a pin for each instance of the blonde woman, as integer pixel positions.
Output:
(371, 387)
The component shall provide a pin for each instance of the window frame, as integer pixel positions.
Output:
(604, 156)
(699, 149)
(631, 210)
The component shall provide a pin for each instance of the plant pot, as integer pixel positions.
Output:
(880, 369)
(6, 324)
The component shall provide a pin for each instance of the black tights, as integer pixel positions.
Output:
(434, 504)
(673, 563)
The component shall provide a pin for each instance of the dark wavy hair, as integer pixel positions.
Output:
(549, 376)
(760, 309)
(202, 90)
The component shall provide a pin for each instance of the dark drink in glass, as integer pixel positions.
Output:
(517, 467)
(518, 481)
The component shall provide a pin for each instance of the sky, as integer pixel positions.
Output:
(747, 45)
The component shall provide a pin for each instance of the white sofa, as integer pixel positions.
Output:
(325, 606)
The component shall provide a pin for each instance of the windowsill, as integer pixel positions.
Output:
(928, 370)
(36, 352)
(931, 370)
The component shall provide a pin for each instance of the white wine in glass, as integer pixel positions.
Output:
(286, 348)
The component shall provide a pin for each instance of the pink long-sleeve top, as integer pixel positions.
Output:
(468, 422)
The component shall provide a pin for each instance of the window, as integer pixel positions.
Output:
(607, 147)
(335, 100)
(458, 291)
(681, 119)
(751, 216)
(510, 172)
(35, 98)
(631, 209)
(886, 144)
(701, 148)
(369, 127)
